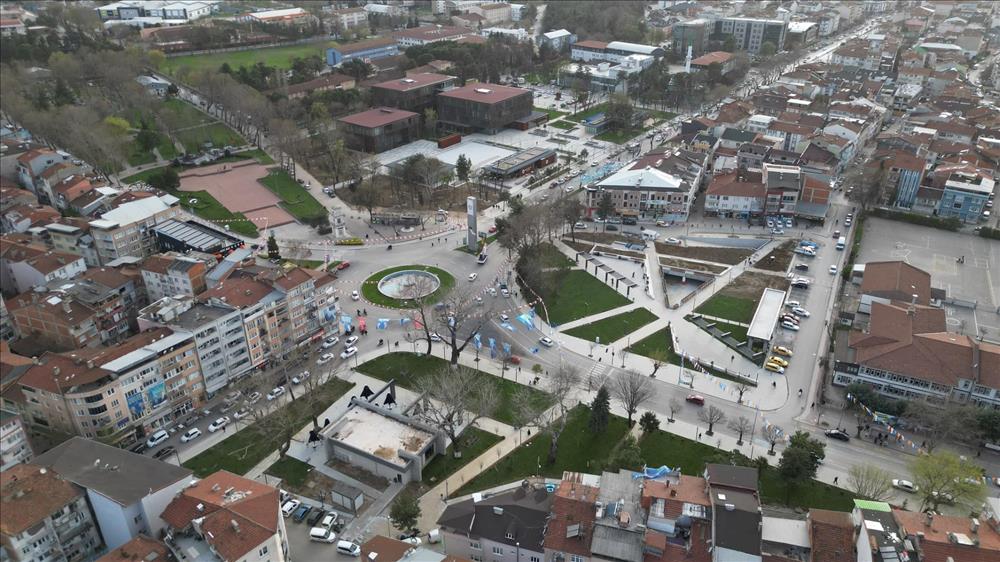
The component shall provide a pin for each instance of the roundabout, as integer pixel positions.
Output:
(399, 287)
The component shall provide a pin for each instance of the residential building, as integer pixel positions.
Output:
(507, 526)
(24, 266)
(558, 40)
(692, 33)
(44, 517)
(749, 34)
(380, 129)
(154, 10)
(139, 548)
(53, 321)
(126, 491)
(944, 537)
(174, 274)
(128, 229)
(325, 83)
(227, 518)
(721, 58)
(415, 92)
(494, 13)
(887, 281)
(482, 107)
(22, 218)
(801, 33)
(738, 194)
(219, 336)
(659, 186)
(517, 11)
(16, 448)
(784, 183)
(390, 10)
(678, 525)
(736, 512)
(905, 175)
(115, 394)
(31, 165)
(619, 531)
(570, 527)
(965, 196)
(57, 175)
(371, 49)
(831, 536)
(792, 135)
(427, 34)
(349, 18)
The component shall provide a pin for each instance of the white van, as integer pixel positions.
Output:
(322, 534)
(841, 242)
(650, 235)
(348, 548)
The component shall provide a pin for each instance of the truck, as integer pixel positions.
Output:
(445, 142)
(841, 242)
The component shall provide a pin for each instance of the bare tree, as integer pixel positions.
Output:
(740, 425)
(870, 482)
(632, 391)
(419, 295)
(712, 415)
(659, 357)
(741, 388)
(772, 434)
(675, 406)
(549, 416)
(455, 399)
(462, 322)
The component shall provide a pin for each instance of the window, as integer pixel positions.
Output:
(535, 559)
(510, 536)
(575, 558)
(474, 545)
(497, 550)
(262, 551)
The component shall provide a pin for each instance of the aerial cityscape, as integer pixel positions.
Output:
(479, 281)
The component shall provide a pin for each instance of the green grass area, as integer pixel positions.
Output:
(219, 134)
(408, 368)
(660, 341)
(550, 256)
(295, 199)
(615, 327)
(256, 154)
(474, 441)
(280, 57)
(242, 451)
(165, 146)
(661, 448)
(185, 115)
(564, 124)
(369, 289)
(553, 113)
(594, 110)
(620, 136)
(738, 332)
(580, 450)
(291, 470)
(737, 309)
(580, 294)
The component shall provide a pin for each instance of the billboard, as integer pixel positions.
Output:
(157, 394)
(135, 405)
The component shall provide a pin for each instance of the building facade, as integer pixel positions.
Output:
(414, 92)
(483, 107)
(15, 448)
(173, 274)
(750, 34)
(372, 49)
(965, 196)
(380, 129)
(128, 229)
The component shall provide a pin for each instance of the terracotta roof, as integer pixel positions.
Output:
(386, 549)
(591, 44)
(791, 128)
(431, 33)
(413, 81)
(156, 264)
(334, 79)
(44, 261)
(108, 276)
(238, 291)
(573, 504)
(485, 93)
(713, 57)
(731, 184)
(937, 545)
(688, 489)
(55, 169)
(140, 548)
(30, 494)
(378, 117)
(34, 153)
(288, 279)
(831, 534)
(893, 279)
(226, 498)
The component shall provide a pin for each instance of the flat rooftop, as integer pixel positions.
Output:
(484, 93)
(378, 117)
(766, 316)
(378, 435)
(521, 159)
(414, 81)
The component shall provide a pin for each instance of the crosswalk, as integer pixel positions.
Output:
(598, 375)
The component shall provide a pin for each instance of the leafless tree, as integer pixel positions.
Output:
(659, 357)
(675, 406)
(453, 399)
(464, 319)
(712, 415)
(419, 294)
(741, 388)
(870, 482)
(772, 434)
(740, 425)
(549, 416)
(632, 390)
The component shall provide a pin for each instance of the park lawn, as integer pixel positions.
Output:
(620, 136)
(218, 134)
(186, 115)
(580, 294)
(662, 448)
(475, 442)
(594, 110)
(291, 470)
(550, 256)
(242, 451)
(165, 146)
(580, 450)
(280, 57)
(737, 309)
(615, 327)
(256, 154)
(369, 289)
(408, 368)
(661, 341)
(738, 332)
(296, 200)
(563, 124)
(553, 113)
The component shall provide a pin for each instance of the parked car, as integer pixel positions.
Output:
(157, 438)
(301, 513)
(324, 359)
(349, 352)
(253, 398)
(696, 399)
(672, 240)
(546, 341)
(802, 266)
(837, 434)
(275, 392)
(164, 452)
(218, 424)
(355, 296)
(191, 435)
(905, 485)
(833, 270)
(315, 516)
(414, 541)
(792, 304)
(504, 318)
(348, 548)
(774, 367)
(799, 311)
(343, 265)
(241, 413)
(778, 360)
(789, 326)
(301, 377)
(330, 342)
(611, 228)
(289, 507)
(782, 350)
(351, 340)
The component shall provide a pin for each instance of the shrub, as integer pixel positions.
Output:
(950, 223)
(350, 242)
(987, 232)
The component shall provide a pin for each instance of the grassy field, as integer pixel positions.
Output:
(662, 448)
(778, 259)
(291, 470)
(736, 309)
(738, 332)
(241, 451)
(580, 294)
(564, 124)
(280, 57)
(369, 289)
(165, 146)
(580, 450)
(218, 134)
(620, 136)
(553, 113)
(615, 327)
(474, 441)
(594, 110)
(296, 200)
(661, 341)
(409, 368)
(550, 256)
(185, 115)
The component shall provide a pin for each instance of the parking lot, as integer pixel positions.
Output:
(936, 252)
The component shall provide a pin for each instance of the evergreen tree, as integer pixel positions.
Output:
(272, 248)
(600, 411)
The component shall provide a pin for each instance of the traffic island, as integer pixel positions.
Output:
(400, 287)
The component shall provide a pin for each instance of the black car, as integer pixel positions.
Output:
(164, 452)
(802, 267)
(837, 434)
(316, 517)
(611, 228)
(138, 447)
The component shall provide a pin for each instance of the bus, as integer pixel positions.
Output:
(841, 242)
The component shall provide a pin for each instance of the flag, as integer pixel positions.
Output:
(477, 340)
(506, 348)
(382, 324)
(493, 344)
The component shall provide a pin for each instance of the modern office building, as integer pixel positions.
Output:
(692, 33)
(380, 129)
(750, 34)
(371, 49)
(414, 92)
(482, 107)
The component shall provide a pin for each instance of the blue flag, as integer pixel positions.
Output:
(506, 348)
(382, 324)
(477, 340)
(493, 344)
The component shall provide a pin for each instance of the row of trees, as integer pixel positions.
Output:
(605, 20)
(484, 62)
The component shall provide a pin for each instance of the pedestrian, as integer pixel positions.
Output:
(835, 480)
(774, 384)
(366, 312)
(813, 405)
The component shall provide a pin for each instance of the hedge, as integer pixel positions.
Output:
(949, 223)
(987, 232)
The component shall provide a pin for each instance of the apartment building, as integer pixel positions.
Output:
(34, 162)
(15, 448)
(219, 335)
(115, 394)
(128, 229)
(57, 322)
(25, 265)
(172, 273)
(126, 491)
(965, 196)
(784, 184)
(61, 182)
(737, 194)
(72, 235)
(736, 512)
(749, 34)
(691, 33)
(45, 517)
(660, 185)
(348, 18)
(227, 518)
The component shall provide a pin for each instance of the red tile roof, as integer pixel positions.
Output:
(140, 548)
(431, 33)
(894, 279)
(485, 93)
(573, 505)
(591, 44)
(413, 81)
(30, 494)
(831, 534)
(386, 549)
(720, 57)
(937, 545)
(378, 117)
(238, 291)
(738, 184)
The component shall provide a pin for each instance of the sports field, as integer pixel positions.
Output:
(280, 57)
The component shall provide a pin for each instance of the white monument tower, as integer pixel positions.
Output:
(687, 61)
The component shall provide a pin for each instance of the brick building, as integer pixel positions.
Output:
(483, 107)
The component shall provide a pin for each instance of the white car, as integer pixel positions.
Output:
(324, 359)
(673, 240)
(833, 270)
(473, 276)
(789, 325)
(355, 296)
(504, 318)
(323, 532)
(436, 337)
(301, 377)
(414, 541)
(330, 342)
(349, 352)
(580, 226)
(157, 438)
(350, 341)
(905, 485)
(505, 292)
(276, 392)
(289, 507)
(799, 311)
(546, 341)
(801, 281)
(240, 414)
(253, 398)
(793, 304)
(218, 424)
(191, 435)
